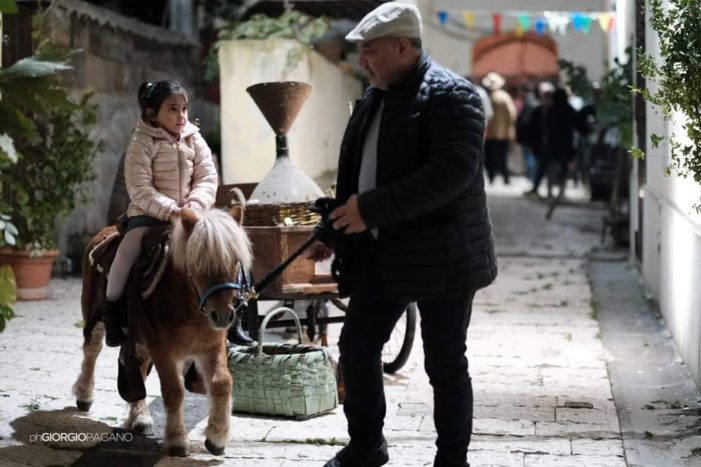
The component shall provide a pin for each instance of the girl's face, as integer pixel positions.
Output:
(172, 116)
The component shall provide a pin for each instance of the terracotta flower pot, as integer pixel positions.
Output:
(32, 274)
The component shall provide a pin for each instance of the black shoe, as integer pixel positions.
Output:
(236, 334)
(351, 456)
(114, 317)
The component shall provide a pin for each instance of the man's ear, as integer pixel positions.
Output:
(404, 45)
(188, 218)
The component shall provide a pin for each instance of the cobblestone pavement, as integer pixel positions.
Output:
(542, 394)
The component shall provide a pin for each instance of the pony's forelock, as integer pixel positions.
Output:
(215, 248)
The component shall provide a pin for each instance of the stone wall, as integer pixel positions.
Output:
(119, 53)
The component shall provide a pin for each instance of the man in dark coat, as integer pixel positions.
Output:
(415, 228)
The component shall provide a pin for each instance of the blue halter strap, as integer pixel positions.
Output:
(214, 288)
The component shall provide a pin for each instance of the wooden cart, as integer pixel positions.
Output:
(300, 281)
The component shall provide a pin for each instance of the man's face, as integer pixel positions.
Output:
(382, 59)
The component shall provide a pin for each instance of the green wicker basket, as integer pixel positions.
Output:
(282, 379)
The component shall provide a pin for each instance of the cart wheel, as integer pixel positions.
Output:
(396, 351)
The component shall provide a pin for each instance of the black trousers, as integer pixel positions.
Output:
(367, 326)
(549, 158)
(496, 152)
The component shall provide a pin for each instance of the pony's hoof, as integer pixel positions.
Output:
(83, 406)
(141, 428)
(217, 451)
(177, 451)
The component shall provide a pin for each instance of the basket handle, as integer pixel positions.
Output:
(267, 318)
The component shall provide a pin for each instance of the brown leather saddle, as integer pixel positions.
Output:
(149, 268)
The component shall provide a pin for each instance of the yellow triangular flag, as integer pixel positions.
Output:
(605, 21)
(518, 30)
(469, 19)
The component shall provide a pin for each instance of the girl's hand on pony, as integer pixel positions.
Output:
(175, 213)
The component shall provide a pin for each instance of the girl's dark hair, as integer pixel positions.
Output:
(152, 95)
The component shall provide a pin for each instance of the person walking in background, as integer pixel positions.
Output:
(588, 127)
(536, 129)
(560, 123)
(501, 129)
(525, 136)
(413, 225)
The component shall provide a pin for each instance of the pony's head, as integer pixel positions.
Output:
(209, 248)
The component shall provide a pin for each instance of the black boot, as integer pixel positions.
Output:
(353, 456)
(114, 317)
(236, 334)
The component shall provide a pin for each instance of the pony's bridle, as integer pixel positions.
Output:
(207, 293)
(202, 299)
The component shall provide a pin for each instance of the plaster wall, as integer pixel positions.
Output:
(671, 265)
(248, 142)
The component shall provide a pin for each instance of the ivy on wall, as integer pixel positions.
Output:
(678, 78)
(290, 25)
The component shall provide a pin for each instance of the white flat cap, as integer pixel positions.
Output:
(391, 19)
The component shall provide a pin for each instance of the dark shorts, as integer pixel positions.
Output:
(143, 221)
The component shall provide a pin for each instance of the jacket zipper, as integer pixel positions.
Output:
(180, 174)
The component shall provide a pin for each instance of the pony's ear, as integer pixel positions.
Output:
(188, 218)
(237, 213)
(238, 205)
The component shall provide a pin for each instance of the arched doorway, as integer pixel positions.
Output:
(520, 59)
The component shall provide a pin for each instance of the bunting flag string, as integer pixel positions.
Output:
(521, 22)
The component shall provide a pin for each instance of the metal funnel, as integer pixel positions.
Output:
(280, 102)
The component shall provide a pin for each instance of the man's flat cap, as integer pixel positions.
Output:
(391, 19)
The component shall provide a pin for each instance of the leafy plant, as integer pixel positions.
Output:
(50, 177)
(48, 153)
(290, 25)
(8, 295)
(8, 6)
(222, 9)
(678, 80)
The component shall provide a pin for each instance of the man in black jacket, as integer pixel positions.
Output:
(415, 228)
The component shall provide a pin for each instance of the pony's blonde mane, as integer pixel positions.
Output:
(215, 247)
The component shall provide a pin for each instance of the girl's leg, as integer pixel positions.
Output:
(127, 254)
(114, 313)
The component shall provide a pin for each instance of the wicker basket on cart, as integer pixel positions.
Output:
(290, 380)
(277, 215)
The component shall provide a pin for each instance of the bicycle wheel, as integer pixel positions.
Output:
(396, 351)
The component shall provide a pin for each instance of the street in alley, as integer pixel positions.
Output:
(542, 392)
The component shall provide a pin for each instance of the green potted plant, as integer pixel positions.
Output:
(49, 160)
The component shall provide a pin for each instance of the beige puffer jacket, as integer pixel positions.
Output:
(163, 173)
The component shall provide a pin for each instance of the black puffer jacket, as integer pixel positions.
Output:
(435, 237)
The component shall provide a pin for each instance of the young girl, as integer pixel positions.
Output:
(168, 166)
